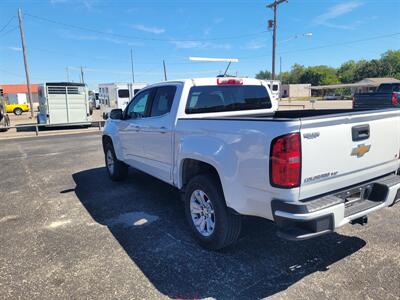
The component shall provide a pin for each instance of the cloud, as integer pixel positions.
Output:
(70, 35)
(144, 28)
(255, 44)
(200, 45)
(18, 49)
(336, 11)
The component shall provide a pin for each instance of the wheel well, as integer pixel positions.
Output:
(192, 168)
(106, 140)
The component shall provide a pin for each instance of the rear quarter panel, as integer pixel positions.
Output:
(239, 151)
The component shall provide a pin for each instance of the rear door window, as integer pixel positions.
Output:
(223, 98)
(163, 100)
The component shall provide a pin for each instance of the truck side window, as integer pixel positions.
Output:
(163, 100)
(137, 107)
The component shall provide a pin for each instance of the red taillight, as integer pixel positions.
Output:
(286, 161)
(229, 81)
(394, 99)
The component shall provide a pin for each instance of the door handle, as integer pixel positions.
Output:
(360, 132)
(163, 129)
(137, 128)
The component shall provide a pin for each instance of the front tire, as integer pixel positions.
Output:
(117, 170)
(212, 224)
(17, 111)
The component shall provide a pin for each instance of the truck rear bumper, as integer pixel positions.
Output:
(310, 218)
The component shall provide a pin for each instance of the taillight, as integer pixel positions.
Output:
(229, 81)
(285, 163)
(394, 99)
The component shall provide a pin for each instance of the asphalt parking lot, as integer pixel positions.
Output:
(67, 231)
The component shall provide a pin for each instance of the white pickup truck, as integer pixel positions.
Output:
(223, 143)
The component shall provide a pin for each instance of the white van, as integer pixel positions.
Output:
(275, 87)
(117, 94)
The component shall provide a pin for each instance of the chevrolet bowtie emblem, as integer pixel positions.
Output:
(360, 150)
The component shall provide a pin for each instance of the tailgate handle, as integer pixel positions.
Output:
(360, 132)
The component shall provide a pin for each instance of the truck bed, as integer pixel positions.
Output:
(283, 115)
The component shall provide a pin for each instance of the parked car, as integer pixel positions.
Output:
(222, 142)
(17, 109)
(387, 95)
(333, 97)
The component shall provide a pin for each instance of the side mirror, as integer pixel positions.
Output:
(116, 114)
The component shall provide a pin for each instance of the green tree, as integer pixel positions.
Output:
(296, 73)
(346, 71)
(391, 63)
(320, 75)
(264, 75)
(368, 69)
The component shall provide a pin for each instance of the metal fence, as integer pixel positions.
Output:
(98, 124)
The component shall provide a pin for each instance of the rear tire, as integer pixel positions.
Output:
(117, 170)
(17, 111)
(205, 208)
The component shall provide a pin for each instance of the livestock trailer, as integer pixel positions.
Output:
(62, 103)
(117, 94)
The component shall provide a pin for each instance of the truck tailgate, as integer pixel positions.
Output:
(339, 151)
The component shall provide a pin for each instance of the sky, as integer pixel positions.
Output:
(98, 35)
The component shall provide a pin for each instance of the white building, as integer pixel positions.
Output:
(296, 90)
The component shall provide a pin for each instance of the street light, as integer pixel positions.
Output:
(306, 34)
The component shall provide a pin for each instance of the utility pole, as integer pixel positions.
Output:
(274, 6)
(165, 71)
(28, 82)
(280, 68)
(133, 74)
(82, 78)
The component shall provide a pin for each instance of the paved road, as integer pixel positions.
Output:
(67, 231)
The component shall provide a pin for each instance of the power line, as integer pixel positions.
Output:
(9, 31)
(143, 38)
(329, 45)
(8, 23)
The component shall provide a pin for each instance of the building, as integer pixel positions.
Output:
(295, 90)
(371, 84)
(20, 89)
(363, 86)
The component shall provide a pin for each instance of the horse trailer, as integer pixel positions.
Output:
(62, 103)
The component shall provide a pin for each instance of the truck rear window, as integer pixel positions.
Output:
(221, 98)
(389, 87)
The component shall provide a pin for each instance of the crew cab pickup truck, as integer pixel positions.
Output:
(223, 143)
(387, 95)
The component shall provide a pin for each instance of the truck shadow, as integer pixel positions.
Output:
(146, 217)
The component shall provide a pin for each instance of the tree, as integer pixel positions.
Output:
(264, 75)
(319, 75)
(391, 62)
(346, 71)
(370, 69)
(296, 73)
(351, 71)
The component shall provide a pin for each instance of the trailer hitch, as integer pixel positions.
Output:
(361, 220)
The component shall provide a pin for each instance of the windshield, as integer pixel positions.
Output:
(222, 98)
